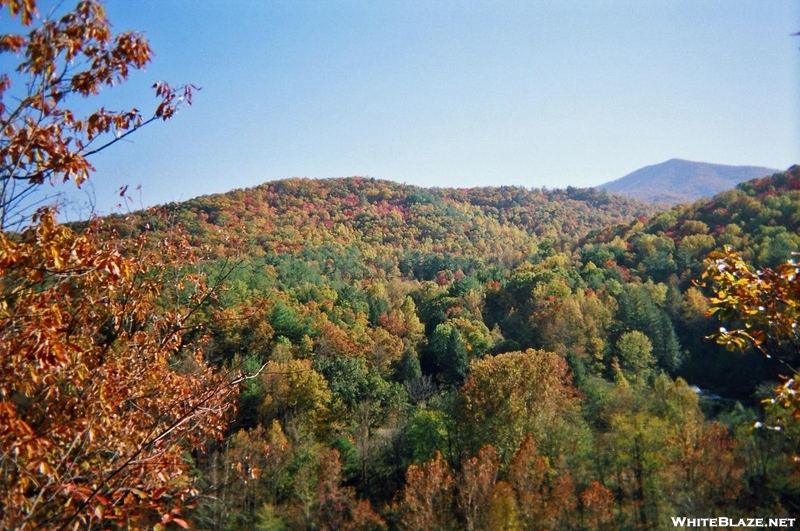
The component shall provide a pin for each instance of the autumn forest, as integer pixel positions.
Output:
(358, 354)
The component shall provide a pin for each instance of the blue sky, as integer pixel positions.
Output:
(446, 93)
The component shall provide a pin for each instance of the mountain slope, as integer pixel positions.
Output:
(758, 218)
(366, 213)
(379, 310)
(682, 181)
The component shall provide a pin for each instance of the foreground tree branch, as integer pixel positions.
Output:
(104, 389)
(100, 397)
(43, 139)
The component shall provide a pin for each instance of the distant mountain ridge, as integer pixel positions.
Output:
(682, 181)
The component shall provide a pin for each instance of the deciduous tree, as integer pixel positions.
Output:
(766, 303)
(509, 396)
(44, 138)
(427, 500)
(477, 483)
(102, 391)
(636, 358)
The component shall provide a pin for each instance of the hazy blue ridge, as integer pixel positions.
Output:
(680, 181)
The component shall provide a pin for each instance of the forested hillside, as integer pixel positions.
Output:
(494, 358)
(284, 216)
(355, 354)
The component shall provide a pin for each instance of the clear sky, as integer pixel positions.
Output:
(446, 93)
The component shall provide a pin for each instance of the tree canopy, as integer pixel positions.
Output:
(408, 358)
